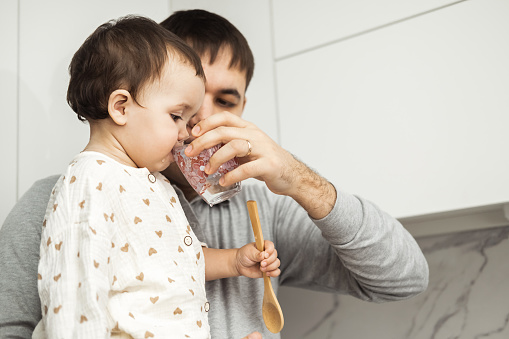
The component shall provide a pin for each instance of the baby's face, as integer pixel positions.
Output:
(159, 123)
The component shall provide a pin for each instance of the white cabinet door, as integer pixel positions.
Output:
(413, 116)
(300, 25)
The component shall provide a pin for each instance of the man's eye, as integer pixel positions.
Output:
(176, 117)
(224, 103)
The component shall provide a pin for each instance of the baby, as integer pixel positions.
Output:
(118, 257)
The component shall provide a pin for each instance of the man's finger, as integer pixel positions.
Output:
(236, 147)
(221, 134)
(245, 171)
(219, 119)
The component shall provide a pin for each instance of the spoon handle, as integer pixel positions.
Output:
(252, 208)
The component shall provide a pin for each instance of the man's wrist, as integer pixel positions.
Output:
(313, 192)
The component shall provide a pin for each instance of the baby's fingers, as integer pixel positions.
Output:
(271, 265)
(273, 273)
(269, 251)
(269, 246)
(267, 266)
(268, 257)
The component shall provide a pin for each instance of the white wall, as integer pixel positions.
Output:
(8, 99)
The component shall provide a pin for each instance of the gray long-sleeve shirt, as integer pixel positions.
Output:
(357, 249)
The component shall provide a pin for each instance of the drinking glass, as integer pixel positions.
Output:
(206, 185)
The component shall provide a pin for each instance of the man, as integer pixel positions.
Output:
(327, 240)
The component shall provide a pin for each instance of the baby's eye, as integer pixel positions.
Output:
(176, 117)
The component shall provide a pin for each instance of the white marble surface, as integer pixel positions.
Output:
(467, 297)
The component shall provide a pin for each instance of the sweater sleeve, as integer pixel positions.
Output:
(73, 270)
(20, 237)
(357, 249)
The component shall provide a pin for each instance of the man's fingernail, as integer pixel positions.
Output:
(189, 148)
(196, 130)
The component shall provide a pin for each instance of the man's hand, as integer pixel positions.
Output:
(268, 162)
(252, 263)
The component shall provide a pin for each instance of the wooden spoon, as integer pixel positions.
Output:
(271, 311)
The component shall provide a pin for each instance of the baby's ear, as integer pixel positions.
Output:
(119, 100)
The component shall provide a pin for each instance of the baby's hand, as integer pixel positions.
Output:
(251, 262)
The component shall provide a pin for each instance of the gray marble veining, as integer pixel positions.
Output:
(467, 297)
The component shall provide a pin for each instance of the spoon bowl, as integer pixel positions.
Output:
(271, 311)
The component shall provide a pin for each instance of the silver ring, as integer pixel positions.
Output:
(249, 148)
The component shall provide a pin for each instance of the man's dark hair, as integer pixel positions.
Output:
(122, 54)
(207, 33)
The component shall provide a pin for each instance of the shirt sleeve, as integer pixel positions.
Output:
(357, 249)
(73, 269)
(20, 237)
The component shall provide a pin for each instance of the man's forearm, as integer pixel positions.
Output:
(313, 192)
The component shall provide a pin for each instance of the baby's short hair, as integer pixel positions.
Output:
(122, 54)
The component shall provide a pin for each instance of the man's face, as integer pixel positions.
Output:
(225, 88)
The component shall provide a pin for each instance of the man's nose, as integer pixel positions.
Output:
(205, 111)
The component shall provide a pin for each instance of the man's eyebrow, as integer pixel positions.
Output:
(231, 91)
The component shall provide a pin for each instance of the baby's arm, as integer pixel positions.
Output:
(246, 261)
(73, 269)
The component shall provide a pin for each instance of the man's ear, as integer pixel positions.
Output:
(119, 100)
